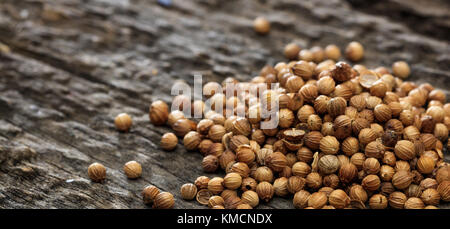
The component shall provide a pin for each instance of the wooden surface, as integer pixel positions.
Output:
(68, 67)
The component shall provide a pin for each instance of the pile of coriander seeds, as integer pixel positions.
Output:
(347, 137)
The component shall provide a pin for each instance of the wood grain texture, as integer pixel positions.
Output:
(72, 66)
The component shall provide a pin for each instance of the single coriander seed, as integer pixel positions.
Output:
(169, 141)
(332, 52)
(97, 172)
(159, 112)
(291, 51)
(261, 25)
(354, 51)
(149, 194)
(188, 191)
(123, 122)
(401, 69)
(132, 169)
(164, 200)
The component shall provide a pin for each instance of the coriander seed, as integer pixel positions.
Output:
(414, 203)
(329, 145)
(425, 165)
(215, 201)
(430, 196)
(183, 126)
(444, 190)
(405, 150)
(123, 122)
(191, 140)
(348, 172)
(305, 55)
(203, 196)
(202, 182)
(318, 54)
(132, 169)
(332, 52)
(276, 161)
(216, 132)
(97, 172)
(371, 166)
(232, 202)
(331, 181)
(169, 141)
(251, 198)
(248, 184)
(301, 169)
(295, 184)
(265, 191)
(336, 106)
(240, 168)
(232, 181)
(357, 192)
(215, 185)
(339, 199)
(188, 191)
(263, 173)
(302, 69)
(354, 51)
(210, 163)
(159, 112)
(443, 174)
(261, 25)
(280, 186)
(326, 85)
(401, 69)
(227, 193)
(164, 200)
(174, 116)
(328, 164)
(371, 182)
(317, 200)
(402, 179)
(291, 51)
(245, 154)
(149, 194)
(314, 180)
(378, 201)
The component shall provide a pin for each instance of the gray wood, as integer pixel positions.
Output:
(74, 65)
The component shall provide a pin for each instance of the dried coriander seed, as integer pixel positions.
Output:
(132, 169)
(123, 122)
(265, 191)
(159, 112)
(232, 181)
(169, 141)
(251, 198)
(354, 51)
(149, 194)
(401, 69)
(339, 199)
(188, 191)
(328, 164)
(291, 51)
(261, 25)
(164, 200)
(332, 52)
(203, 196)
(97, 172)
